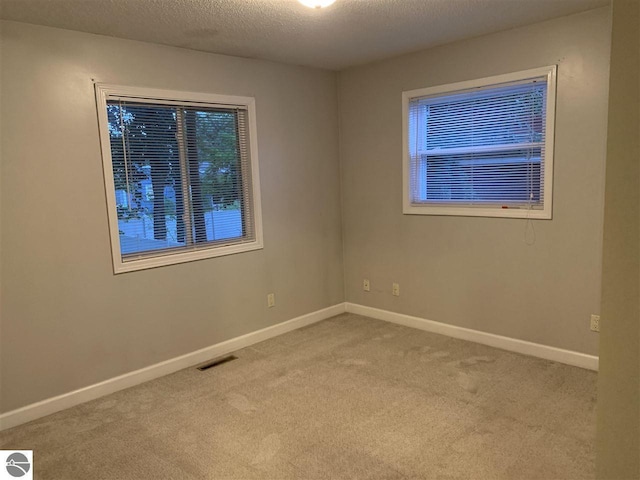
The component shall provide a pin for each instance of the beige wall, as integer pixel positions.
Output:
(67, 321)
(478, 272)
(618, 442)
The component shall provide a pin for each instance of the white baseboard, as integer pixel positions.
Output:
(67, 400)
(568, 357)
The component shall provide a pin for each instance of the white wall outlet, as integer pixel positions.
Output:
(271, 300)
(395, 289)
(595, 323)
(366, 286)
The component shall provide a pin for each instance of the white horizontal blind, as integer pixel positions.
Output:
(182, 176)
(483, 147)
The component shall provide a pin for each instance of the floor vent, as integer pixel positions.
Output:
(216, 362)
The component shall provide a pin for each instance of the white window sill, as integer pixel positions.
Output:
(478, 212)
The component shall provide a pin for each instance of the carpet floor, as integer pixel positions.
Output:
(348, 397)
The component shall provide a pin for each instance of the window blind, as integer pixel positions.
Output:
(480, 147)
(182, 176)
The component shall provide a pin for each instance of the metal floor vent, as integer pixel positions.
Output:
(216, 362)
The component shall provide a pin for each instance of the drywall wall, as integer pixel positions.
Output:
(67, 320)
(618, 439)
(478, 272)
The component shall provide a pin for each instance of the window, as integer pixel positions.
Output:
(481, 148)
(181, 175)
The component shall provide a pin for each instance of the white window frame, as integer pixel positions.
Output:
(546, 213)
(106, 92)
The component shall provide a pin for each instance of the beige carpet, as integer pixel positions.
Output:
(349, 397)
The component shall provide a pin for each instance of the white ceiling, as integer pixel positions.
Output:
(348, 33)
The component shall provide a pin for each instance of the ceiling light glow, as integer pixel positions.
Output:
(316, 3)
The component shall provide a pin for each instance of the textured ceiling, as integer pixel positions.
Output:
(350, 32)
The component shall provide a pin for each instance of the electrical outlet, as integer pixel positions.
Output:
(395, 289)
(595, 323)
(366, 286)
(271, 300)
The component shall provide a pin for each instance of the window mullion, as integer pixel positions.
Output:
(184, 176)
(125, 156)
(482, 149)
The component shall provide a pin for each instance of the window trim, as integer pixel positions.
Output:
(106, 92)
(546, 213)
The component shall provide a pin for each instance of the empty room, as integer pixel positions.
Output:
(319, 239)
